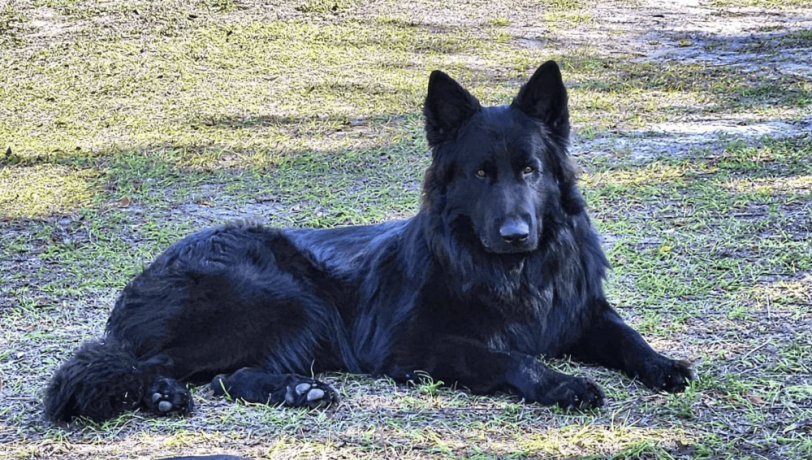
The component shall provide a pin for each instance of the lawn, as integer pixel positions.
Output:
(127, 124)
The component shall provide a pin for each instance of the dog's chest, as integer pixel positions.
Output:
(506, 322)
(534, 315)
(538, 325)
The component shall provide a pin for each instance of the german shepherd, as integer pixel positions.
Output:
(500, 265)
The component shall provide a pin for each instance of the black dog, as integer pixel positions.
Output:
(500, 265)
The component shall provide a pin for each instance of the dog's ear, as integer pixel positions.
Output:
(544, 97)
(448, 105)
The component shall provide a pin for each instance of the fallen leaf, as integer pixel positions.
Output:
(665, 249)
(205, 203)
(756, 399)
(124, 202)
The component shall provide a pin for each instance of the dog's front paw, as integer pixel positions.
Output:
(167, 396)
(667, 375)
(572, 393)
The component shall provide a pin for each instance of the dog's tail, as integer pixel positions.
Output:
(101, 380)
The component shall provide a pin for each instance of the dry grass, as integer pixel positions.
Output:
(129, 124)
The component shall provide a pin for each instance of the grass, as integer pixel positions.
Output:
(774, 4)
(563, 5)
(127, 125)
(44, 189)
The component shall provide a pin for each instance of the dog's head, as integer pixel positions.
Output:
(496, 172)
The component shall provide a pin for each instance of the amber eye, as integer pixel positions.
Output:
(481, 173)
(528, 170)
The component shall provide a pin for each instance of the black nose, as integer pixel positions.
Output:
(515, 231)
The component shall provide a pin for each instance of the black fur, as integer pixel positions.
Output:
(500, 265)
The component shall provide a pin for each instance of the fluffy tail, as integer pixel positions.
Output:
(102, 379)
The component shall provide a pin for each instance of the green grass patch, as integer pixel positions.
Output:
(33, 191)
(500, 22)
(564, 4)
(325, 6)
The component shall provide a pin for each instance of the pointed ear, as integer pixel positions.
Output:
(544, 97)
(448, 105)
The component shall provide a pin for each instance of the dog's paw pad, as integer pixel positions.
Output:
(302, 388)
(315, 394)
(312, 395)
(169, 396)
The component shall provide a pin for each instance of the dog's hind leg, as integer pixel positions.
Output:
(261, 386)
(104, 378)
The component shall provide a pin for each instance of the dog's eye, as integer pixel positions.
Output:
(529, 170)
(481, 173)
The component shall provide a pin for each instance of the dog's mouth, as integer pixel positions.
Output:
(513, 248)
(465, 233)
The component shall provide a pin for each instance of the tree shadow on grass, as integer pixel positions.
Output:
(359, 183)
(260, 121)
